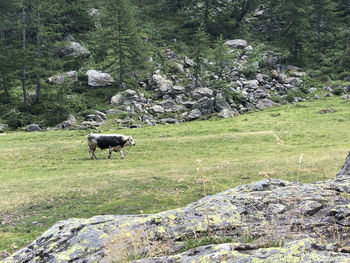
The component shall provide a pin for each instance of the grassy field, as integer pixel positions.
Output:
(47, 177)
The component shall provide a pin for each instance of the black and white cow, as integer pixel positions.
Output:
(113, 142)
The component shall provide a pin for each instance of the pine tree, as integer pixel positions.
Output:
(122, 39)
(295, 17)
(324, 12)
(221, 56)
(200, 50)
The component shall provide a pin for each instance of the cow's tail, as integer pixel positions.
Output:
(87, 136)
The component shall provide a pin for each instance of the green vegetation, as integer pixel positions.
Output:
(47, 177)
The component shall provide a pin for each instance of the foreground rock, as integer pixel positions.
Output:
(290, 222)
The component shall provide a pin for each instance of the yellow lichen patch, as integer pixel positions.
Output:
(66, 255)
(161, 229)
(171, 217)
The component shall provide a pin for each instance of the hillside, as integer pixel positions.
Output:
(66, 58)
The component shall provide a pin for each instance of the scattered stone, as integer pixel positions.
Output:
(325, 111)
(194, 114)
(221, 103)
(100, 114)
(226, 113)
(341, 120)
(327, 89)
(265, 103)
(188, 63)
(33, 128)
(201, 92)
(345, 97)
(236, 43)
(311, 90)
(156, 109)
(3, 127)
(99, 79)
(59, 79)
(4, 254)
(73, 49)
(168, 120)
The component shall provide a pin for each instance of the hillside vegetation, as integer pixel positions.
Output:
(130, 40)
(47, 177)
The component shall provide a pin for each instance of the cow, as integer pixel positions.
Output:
(113, 142)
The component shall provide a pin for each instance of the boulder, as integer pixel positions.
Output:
(99, 79)
(284, 221)
(226, 113)
(236, 43)
(251, 84)
(32, 128)
(3, 127)
(73, 49)
(178, 90)
(205, 105)
(220, 103)
(265, 103)
(100, 114)
(188, 63)
(70, 122)
(201, 92)
(161, 83)
(194, 114)
(118, 99)
(156, 109)
(59, 79)
(295, 82)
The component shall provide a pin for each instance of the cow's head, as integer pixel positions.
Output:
(130, 141)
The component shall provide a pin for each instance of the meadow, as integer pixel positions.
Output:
(48, 176)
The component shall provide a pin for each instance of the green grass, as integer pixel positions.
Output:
(47, 177)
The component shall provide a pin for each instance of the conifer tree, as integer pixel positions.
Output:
(200, 50)
(324, 12)
(121, 36)
(295, 17)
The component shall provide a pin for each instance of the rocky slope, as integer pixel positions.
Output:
(283, 222)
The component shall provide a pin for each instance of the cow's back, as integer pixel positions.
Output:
(106, 141)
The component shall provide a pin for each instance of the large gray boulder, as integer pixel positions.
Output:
(290, 222)
(99, 79)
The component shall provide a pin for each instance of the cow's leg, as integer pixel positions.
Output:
(92, 148)
(110, 152)
(121, 153)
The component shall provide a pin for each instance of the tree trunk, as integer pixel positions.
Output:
(318, 32)
(206, 15)
(38, 78)
(24, 61)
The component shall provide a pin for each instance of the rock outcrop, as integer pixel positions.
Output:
(283, 222)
